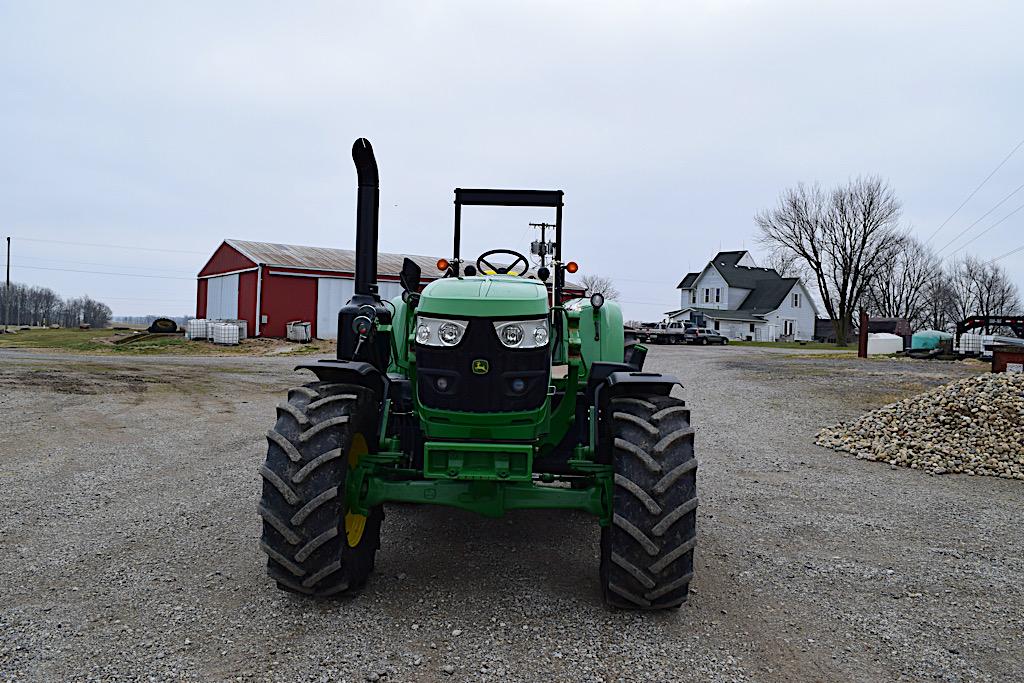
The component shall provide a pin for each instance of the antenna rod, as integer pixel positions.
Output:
(7, 291)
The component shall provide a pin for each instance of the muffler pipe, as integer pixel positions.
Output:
(367, 214)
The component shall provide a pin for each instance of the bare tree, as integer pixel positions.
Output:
(845, 236)
(982, 288)
(787, 264)
(593, 284)
(938, 313)
(42, 306)
(903, 291)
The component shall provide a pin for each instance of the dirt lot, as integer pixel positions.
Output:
(128, 551)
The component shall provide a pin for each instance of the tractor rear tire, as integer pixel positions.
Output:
(313, 545)
(647, 552)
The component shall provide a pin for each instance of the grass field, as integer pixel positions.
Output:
(102, 342)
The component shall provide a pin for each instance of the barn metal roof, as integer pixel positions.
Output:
(337, 260)
(324, 258)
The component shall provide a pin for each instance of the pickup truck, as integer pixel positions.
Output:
(659, 333)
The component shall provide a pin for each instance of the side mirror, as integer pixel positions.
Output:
(410, 276)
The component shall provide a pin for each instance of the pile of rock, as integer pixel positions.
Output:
(974, 426)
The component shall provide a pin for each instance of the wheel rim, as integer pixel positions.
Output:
(355, 524)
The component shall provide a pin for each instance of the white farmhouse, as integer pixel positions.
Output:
(743, 301)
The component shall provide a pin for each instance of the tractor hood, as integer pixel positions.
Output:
(485, 296)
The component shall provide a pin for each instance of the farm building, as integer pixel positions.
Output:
(269, 285)
(744, 301)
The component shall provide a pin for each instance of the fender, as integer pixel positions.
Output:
(613, 384)
(655, 382)
(348, 372)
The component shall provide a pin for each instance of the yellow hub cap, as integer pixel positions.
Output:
(355, 524)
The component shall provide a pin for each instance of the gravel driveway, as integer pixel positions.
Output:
(128, 545)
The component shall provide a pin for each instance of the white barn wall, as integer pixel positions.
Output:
(222, 297)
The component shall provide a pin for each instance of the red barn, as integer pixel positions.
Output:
(269, 285)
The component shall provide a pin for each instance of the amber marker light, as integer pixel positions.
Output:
(572, 266)
(442, 264)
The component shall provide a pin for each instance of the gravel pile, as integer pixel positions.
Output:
(974, 425)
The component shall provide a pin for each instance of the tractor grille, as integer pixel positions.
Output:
(490, 392)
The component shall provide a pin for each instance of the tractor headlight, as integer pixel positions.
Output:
(449, 333)
(511, 334)
(436, 332)
(522, 334)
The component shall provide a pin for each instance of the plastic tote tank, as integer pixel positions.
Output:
(196, 329)
(225, 333)
(928, 339)
(298, 331)
(883, 343)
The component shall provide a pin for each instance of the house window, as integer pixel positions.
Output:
(707, 295)
(787, 328)
(717, 325)
(718, 295)
(751, 327)
(693, 296)
(796, 300)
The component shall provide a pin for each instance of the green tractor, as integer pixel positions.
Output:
(485, 391)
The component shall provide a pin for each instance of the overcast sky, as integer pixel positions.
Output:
(175, 125)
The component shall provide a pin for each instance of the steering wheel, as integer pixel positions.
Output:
(486, 267)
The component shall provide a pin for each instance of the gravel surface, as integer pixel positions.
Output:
(128, 544)
(973, 425)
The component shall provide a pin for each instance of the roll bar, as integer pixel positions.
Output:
(539, 198)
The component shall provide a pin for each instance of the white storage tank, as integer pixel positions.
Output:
(299, 331)
(225, 333)
(240, 324)
(971, 343)
(196, 329)
(882, 343)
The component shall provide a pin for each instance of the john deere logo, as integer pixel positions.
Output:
(480, 367)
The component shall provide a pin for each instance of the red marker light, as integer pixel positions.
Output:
(572, 266)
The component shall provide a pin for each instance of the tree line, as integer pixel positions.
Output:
(37, 306)
(849, 243)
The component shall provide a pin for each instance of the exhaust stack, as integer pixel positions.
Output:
(367, 213)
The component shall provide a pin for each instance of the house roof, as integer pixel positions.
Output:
(768, 289)
(746, 277)
(728, 258)
(768, 294)
(688, 281)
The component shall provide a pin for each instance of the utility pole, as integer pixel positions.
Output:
(541, 248)
(7, 292)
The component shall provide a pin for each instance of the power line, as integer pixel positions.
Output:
(975, 191)
(980, 218)
(105, 265)
(130, 298)
(98, 272)
(111, 246)
(982, 233)
(1009, 253)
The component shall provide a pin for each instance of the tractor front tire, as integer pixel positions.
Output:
(314, 545)
(647, 552)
